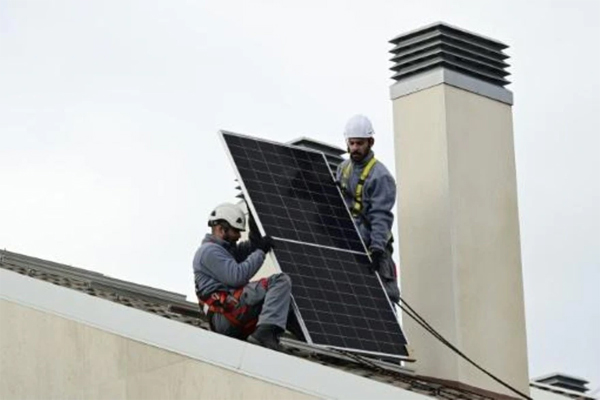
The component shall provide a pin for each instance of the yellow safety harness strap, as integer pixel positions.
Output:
(358, 193)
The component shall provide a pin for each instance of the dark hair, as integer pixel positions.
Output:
(221, 222)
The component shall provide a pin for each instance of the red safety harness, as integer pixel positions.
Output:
(228, 304)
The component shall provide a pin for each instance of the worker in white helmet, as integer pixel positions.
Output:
(256, 311)
(369, 190)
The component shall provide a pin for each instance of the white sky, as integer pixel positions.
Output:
(110, 161)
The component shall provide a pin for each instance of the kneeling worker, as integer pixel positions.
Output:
(237, 307)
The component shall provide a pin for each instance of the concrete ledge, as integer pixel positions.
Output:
(281, 369)
(442, 75)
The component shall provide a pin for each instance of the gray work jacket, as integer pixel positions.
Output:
(379, 196)
(219, 265)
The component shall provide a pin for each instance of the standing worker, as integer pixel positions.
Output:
(369, 191)
(237, 307)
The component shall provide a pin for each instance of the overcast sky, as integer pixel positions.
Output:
(109, 112)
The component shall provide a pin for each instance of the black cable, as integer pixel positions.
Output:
(438, 336)
(419, 383)
(421, 321)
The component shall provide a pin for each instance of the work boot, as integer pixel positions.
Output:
(266, 336)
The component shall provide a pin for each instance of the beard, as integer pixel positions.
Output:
(358, 156)
(230, 238)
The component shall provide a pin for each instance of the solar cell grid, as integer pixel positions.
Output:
(339, 302)
(292, 192)
(327, 285)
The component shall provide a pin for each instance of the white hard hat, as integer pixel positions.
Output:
(358, 126)
(230, 213)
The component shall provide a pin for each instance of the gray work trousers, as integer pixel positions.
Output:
(388, 275)
(270, 305)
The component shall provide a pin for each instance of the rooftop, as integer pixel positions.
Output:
(174, 306)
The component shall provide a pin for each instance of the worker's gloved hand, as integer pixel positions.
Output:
(376, 259)
(265, 243)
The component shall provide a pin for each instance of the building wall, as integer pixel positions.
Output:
(486, 244)
(44, 356)
(459, 234)
(424, 220)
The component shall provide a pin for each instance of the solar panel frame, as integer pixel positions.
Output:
(273, 256)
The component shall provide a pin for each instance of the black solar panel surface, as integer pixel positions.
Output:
(341, 303)
(293, 193)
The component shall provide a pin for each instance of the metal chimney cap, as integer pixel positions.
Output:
(441, 45)
(564, 381)
(439, 24)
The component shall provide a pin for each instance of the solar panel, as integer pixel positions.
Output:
(326, 285)
(293, 195)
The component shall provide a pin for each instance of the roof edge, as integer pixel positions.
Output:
(95, 278)
(198, 344)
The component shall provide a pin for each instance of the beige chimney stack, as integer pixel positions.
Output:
(460, 257)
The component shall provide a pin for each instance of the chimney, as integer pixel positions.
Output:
(460, 256)
(564, 381)
(332, 153)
